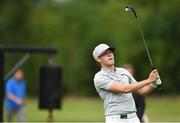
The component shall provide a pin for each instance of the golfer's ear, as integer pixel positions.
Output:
(98, 59)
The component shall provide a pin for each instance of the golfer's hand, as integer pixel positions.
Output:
(153, 76)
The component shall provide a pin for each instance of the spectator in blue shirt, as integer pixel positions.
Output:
(15, 97)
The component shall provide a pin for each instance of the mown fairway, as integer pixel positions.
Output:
(91, 109)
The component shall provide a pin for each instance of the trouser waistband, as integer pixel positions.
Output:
(124, 116)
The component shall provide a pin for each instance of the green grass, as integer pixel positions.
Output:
(91, 109)
(163, 108)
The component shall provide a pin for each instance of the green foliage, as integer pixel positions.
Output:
(75, 27)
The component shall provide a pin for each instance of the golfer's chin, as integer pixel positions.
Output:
(110, 64)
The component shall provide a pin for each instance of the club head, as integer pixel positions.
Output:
(128, 8)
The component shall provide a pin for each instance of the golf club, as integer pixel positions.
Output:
(129, 8)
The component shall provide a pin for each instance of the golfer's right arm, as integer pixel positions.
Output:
(127, 88)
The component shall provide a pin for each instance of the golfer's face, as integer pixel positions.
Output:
(107, 58)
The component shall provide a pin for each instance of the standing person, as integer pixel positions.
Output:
(139, 99)
(115, 86)
(15, 96)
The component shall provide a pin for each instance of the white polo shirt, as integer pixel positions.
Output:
(114, 103)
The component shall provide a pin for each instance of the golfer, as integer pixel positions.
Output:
(115, 86)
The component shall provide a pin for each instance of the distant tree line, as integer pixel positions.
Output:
(75, 27)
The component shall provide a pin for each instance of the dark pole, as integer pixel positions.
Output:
(2, 90)
(16, 49)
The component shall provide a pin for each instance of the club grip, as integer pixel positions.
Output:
(158, 81)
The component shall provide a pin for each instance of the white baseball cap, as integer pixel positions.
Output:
(101, 49)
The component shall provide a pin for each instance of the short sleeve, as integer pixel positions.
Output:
(131, 78)
(23, 89)
(9, 86)
(102, 82)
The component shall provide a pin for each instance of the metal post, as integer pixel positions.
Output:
(51, 62)
(29, 51)
(50, 116)
(2, 90)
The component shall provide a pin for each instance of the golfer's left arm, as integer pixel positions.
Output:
(145, 90)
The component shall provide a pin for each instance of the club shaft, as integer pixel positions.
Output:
(144, 41)
(128, 8)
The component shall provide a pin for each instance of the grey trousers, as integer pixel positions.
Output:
(19, 113)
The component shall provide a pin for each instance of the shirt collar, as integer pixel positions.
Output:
(107, 70)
